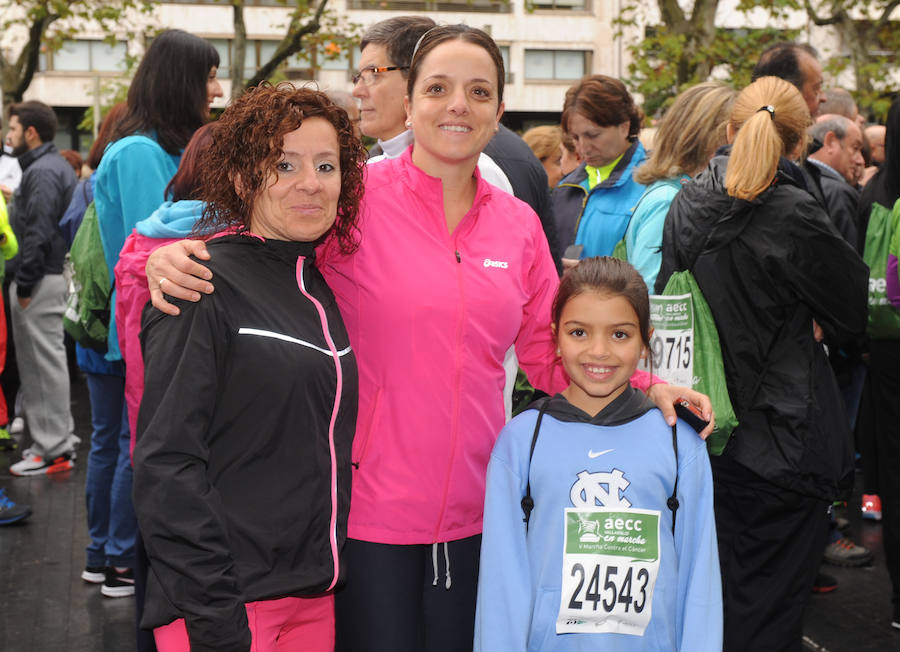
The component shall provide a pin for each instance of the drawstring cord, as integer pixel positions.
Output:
(434, 564)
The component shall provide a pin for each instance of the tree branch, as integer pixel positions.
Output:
(834, 19)
(26, 65)
(886, 14)
(290, 44)
(672, 15)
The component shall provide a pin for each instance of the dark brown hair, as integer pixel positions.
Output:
(168, 93)
(105, 134)
(606, 275)
(186, 182)
(38, 115)
(604, 101)
(248, 144)
(437, 35)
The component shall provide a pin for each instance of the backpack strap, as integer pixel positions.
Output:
(527, 501)
(672, 501)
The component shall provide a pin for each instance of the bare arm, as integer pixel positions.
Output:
(170, 270)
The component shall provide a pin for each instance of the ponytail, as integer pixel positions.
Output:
(770, 119)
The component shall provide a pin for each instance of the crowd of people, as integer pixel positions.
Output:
(306, 432)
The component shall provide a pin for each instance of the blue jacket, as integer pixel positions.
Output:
(643, 237)
(130, 184)
(597, 218)
(520, 582)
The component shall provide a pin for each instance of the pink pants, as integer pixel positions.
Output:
(283, 625)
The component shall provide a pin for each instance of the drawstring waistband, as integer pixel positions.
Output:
(434, 563)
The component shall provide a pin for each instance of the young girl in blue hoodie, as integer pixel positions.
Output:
(598, 519)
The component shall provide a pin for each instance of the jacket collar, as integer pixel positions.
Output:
(394, 147)
(617, 177)
(826, 169)
(421, 182)
(32, 155)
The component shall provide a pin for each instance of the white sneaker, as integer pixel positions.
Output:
(17, 426)
(34, 464)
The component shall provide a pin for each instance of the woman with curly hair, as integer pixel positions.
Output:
(242, 462)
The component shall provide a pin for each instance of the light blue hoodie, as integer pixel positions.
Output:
(520, 582)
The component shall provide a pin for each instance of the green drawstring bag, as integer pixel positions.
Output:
(87, 313)
(884, 319)
(685, 346)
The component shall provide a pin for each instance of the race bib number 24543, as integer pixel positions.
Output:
(610, 565)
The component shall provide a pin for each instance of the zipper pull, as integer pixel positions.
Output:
(458, 259)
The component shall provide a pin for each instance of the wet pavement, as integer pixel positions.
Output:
(46, 607)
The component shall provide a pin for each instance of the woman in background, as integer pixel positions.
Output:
(770, 263)
(546, 143)
(593, 204)
(686, 139)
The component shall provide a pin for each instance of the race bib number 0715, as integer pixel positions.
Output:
(610, 565)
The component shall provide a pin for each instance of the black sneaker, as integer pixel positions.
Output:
(824, 583)
(118, 583)
(94, 574)
(10, 512)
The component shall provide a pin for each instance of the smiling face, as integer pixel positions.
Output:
(454, 107)
(600, 344)
(213, 87)
(300, 201)
(596, 145)
(381, 109)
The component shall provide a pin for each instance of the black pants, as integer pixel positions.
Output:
(770, 546)
(390, 602)
(884, 374)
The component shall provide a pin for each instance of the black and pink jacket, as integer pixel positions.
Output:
(242, 463)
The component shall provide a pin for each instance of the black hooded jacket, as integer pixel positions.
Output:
(768, 268)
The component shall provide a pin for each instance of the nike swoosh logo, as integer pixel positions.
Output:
(592, 454)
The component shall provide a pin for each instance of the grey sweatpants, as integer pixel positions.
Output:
(43, 372)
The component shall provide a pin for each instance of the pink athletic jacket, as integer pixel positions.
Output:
(131, 296)
(430, 316)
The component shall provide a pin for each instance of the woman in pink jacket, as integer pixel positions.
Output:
(449, 273)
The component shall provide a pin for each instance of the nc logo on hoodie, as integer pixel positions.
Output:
(600, 490)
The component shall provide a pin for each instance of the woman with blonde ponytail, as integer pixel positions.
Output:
(776, 274)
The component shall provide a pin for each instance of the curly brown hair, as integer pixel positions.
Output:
(248, 142)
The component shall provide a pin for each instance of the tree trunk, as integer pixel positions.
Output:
(238, 50)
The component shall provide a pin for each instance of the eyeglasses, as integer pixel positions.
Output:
(370, 75)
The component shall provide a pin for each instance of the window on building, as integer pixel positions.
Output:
(483, 6)
(85, 56)
(301, 65)
(504, 53)
(556, 64)
(562, 5)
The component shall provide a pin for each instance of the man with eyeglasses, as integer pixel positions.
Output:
(380, 86)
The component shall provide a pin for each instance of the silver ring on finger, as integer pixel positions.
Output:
(161, 281)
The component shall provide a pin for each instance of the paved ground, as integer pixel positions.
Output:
(45, 607)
